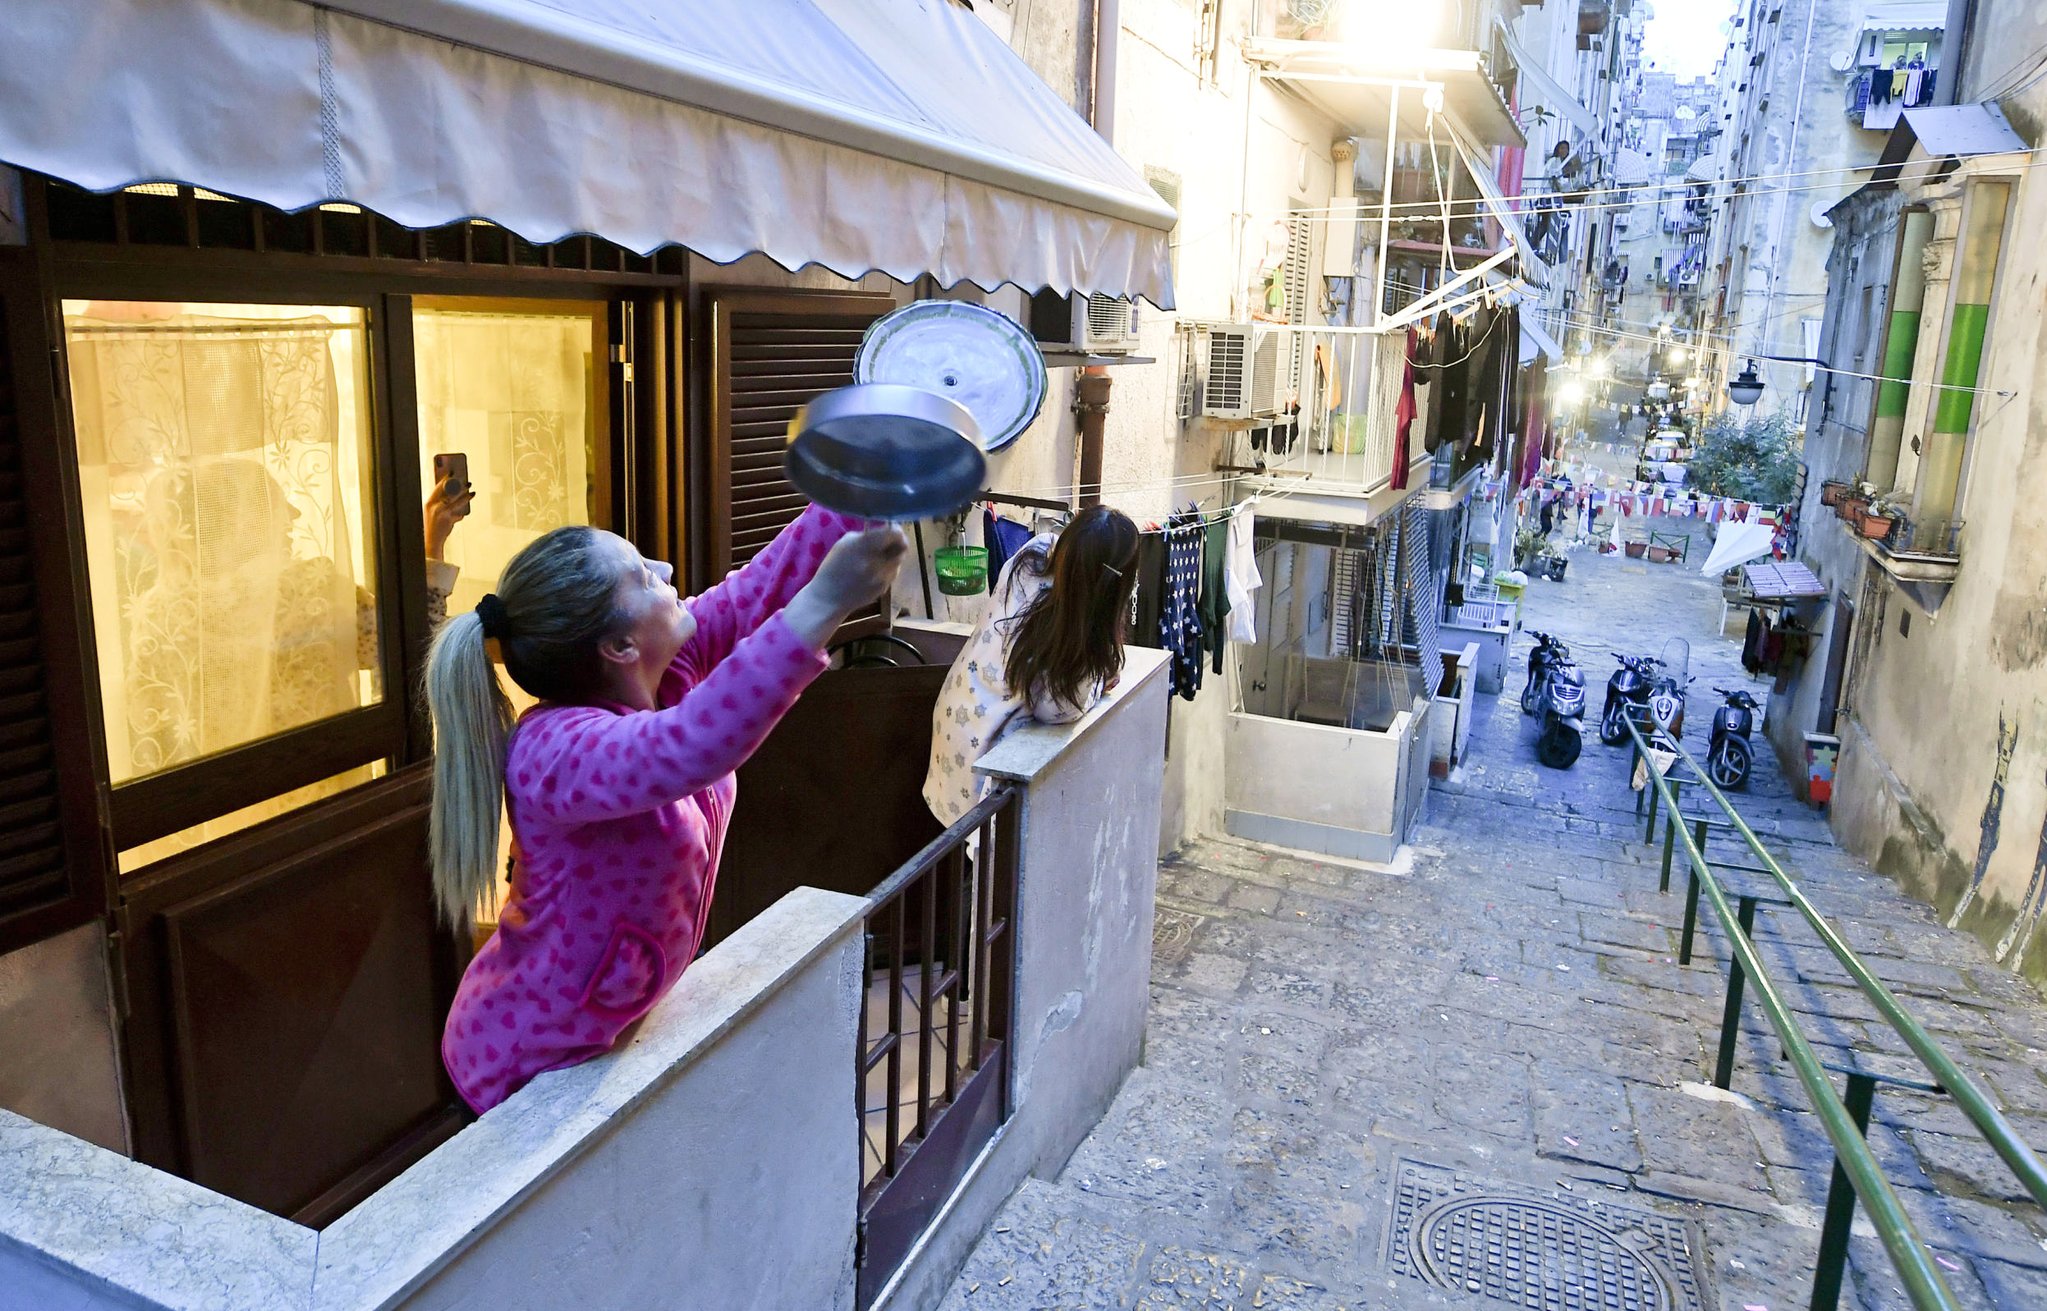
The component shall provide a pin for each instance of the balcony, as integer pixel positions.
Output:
(722, 1138)
(1922, 552)
(1344, 63)
(1330, 439)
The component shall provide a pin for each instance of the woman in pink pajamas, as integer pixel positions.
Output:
(619, 784)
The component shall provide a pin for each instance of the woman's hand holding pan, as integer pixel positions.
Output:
(858, 569)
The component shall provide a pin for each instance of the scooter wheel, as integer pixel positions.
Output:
(1613, 730)
(1559, 745)
(1729, 763)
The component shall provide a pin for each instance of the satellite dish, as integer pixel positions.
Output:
(970, 354)
(1819, 213)
(1841, 61)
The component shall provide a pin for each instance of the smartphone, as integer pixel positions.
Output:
(453, 464)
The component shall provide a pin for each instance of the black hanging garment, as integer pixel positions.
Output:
(1215, 597)
(1752, 642)
(1180, 630)
(1148, 602)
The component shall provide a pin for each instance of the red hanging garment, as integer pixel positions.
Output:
(1403, 414)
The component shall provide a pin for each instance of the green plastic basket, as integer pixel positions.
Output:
(962, 570)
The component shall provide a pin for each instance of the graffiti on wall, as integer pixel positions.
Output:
(1993, 815)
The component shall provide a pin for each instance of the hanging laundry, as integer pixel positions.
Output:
(1148, 603)
(1003, 538)
(1215, 596)
(1240, 576)
(1180, 616)
(1332, 381)
(1403, 413)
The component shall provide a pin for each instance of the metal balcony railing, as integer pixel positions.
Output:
(1667, 767)
(1927, 539)
(936, 1024)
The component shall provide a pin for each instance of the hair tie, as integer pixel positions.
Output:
(492, 612)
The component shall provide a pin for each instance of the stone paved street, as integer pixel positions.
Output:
(1504, 1013)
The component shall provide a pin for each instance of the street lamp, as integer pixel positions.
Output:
(1746, 389)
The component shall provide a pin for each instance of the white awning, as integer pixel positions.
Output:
(1904, 16)
(906, 138)
(1480, 165)
(1534, 342)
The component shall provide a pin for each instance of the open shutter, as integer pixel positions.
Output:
(772, 352)
(49, 881)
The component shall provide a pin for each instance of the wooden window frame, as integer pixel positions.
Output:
(394, 730)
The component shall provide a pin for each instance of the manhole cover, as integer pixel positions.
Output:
(1172, 932)
(1535, 1255)
(1528, 1250)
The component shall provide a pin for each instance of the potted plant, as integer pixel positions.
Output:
(1877, 519)
(1832, 490)
(1854, 502)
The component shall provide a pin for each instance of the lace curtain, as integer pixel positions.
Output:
(223, 455)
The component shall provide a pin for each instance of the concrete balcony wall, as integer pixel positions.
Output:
(1084, 905)
(1345, 792)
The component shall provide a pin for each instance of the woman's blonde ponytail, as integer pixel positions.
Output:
(472, 724)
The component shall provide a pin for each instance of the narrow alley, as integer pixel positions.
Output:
(1334, 1046)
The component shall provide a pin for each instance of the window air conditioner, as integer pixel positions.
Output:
(1107, 325)
(1086, 325)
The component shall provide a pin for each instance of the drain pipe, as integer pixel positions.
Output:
(1091, 389)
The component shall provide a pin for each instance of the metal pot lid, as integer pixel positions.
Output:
(983, 359)
(884, 451)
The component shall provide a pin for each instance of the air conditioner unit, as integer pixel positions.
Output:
(1087, 325)
(1246, 375)
(1226, 381)
(1106, 325)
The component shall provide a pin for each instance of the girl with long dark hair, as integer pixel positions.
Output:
(1050, 645)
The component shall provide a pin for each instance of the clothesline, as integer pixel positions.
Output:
(1480, 209)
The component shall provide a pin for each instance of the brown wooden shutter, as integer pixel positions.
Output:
(48, 881)
(772, 352)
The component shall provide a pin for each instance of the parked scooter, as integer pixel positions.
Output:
(1667, 691)
(1548, 653)
(1556, 689)
(1728, 755)
(1627, 697)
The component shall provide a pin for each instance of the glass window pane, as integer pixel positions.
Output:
(224, 468)
(518, 388)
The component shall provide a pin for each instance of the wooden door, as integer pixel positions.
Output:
(834, 798)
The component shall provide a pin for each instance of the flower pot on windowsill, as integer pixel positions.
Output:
(1831, 492)
(1874, 526)
(1851, 508)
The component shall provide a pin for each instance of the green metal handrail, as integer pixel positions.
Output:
(1989, 1121)
(1922, 1281)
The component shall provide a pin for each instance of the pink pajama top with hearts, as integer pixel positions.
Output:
(618, 818)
